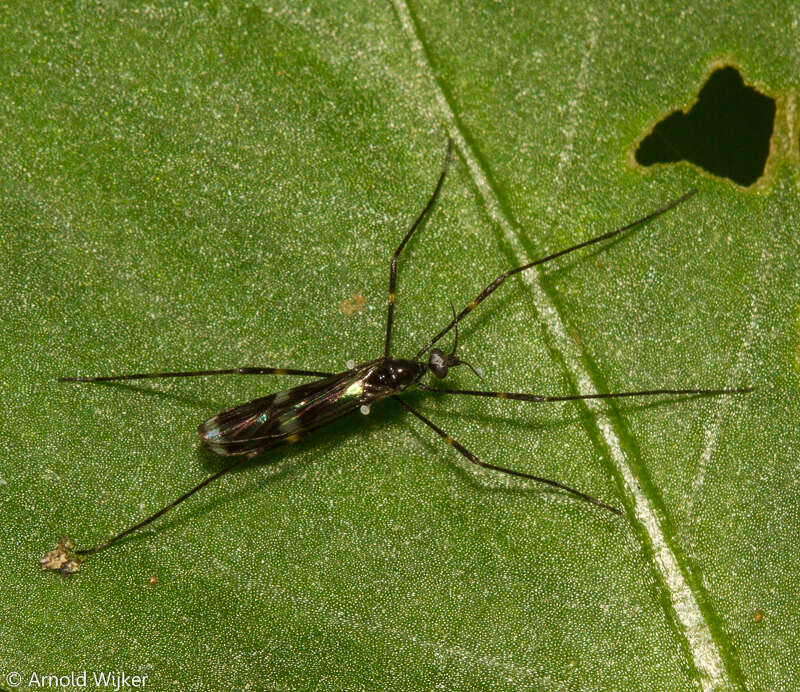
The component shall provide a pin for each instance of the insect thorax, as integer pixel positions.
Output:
(390, 375)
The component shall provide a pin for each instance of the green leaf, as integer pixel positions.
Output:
(196, 186)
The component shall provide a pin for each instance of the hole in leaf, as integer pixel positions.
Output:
(726, 132)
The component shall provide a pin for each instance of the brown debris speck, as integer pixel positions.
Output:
(61, 559)
(350, 306)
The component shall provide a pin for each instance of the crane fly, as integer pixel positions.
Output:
(250, 429)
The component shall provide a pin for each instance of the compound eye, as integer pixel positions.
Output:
(438, 364)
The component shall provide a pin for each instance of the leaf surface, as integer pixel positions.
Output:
(205, 186)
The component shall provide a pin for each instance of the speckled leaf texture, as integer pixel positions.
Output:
(201, 185)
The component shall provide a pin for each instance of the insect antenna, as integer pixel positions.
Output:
(500, 279)
(455, 340)
(457, 360)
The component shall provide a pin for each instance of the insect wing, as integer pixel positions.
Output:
(269, 421)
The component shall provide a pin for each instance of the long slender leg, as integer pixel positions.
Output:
(500, 279)
(393, 266)
(471, 457)
(196, 373)
(165, 509)
(574, 397)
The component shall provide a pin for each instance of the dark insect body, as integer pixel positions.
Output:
(249, 429)
(265, 423)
